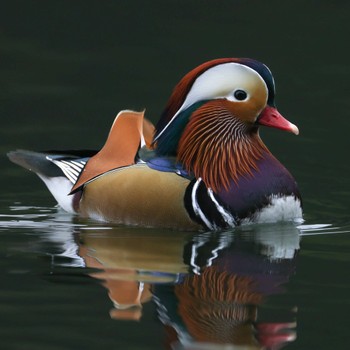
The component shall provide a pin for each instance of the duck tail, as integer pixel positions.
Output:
(59, 170)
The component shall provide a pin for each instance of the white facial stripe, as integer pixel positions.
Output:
(219, 82)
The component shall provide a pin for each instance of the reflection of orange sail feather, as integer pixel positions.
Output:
(218, 306)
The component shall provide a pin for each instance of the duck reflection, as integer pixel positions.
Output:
(213, 291)
(130, 262)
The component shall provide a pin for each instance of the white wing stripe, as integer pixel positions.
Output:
(79, 164)
(71, 169)
(71, 165)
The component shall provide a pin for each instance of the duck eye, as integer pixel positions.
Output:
(240, 95)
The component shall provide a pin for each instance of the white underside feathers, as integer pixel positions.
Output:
(59, 187)
(280, 209)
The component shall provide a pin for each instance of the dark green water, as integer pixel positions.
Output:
(67, 68)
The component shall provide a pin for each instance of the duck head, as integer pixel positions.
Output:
(211, 121)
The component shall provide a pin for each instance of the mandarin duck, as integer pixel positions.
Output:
(203, 166)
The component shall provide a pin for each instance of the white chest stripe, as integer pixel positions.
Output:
(196, 208)
(281, 208)
(229, 219)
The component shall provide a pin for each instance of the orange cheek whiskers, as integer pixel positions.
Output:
(220, 157)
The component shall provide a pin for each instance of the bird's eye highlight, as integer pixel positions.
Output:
(240, 95)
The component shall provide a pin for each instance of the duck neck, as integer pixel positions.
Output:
(166, 138)
(219, 148)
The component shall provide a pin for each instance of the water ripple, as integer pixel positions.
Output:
(321, 229)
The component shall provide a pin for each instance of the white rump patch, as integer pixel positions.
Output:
(59, 187)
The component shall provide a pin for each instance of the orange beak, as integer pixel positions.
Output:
(272, 118)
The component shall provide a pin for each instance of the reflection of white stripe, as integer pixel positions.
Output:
(224, 241)
(197, 210)
(215, 251)
(229, 219)
(196, 268)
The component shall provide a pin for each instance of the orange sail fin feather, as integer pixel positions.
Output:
(128, 132)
